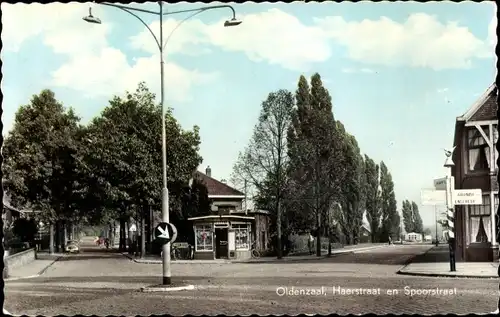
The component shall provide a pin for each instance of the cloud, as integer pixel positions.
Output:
(93, 66)
(361, 70)
(421, 41)
(273, 36)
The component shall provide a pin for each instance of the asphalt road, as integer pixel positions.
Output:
(100, 283)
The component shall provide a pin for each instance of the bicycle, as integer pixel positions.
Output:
(175, 254)
(255, 254)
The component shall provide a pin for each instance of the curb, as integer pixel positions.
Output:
(289, 259)
(16, 278)
(410, 260)
(446, 275)
(156, 289)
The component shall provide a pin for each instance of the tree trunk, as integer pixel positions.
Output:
(58, 235)
(278, 225)
(143, 232)
(63, 235)
(51, 238)
(122, 235)
(318, 236)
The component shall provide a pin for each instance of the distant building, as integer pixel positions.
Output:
(231, 230)
(413, 237)
(428, 238)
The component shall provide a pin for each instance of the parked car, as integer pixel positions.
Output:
(72, 246)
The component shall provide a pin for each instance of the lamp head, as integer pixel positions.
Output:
(91, 19)
(232, 22)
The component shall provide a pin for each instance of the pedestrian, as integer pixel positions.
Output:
(310, 243)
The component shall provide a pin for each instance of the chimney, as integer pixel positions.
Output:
(208, 171)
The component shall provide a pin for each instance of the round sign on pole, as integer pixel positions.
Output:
(165, 232)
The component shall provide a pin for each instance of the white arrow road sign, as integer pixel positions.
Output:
(467, 197)
(440, 183)
(433, 197)
(164, 233)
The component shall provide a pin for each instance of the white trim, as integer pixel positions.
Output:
(221, 216)
(475, 107)
(226, 196)
(492, 220)
(485, 122)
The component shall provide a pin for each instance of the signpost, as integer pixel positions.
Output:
(440, 183)
(433, 197)
(446, 194)
(165, 232)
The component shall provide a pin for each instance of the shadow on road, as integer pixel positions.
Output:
(434, 255)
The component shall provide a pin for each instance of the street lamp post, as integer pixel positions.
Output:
(161, 46)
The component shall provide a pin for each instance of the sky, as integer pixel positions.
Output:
(399, 73)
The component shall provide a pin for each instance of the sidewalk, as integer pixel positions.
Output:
(35, 268)
(292, 258)
(436, 263)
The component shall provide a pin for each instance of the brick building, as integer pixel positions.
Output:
(232, 228)
(475, 159)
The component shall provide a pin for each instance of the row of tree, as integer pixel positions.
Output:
(107, 170)
(309, 172)
(411, 217)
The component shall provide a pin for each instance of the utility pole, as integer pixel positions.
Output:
(246, 206)
(436, 216)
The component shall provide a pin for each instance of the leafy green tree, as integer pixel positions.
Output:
(408, 216)
(373, 206)
(316, 153)
(417, 220)
(124, 157)
(350, 216)
(40, 161)
(390, 215)
(265, 160)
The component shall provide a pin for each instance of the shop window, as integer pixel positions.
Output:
(479, 151)
(242, 236)
(480, 221)
(204, 238)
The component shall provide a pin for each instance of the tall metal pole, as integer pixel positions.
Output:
(436, 216)
(450, 210)
(167, 275)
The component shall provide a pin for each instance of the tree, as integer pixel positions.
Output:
(408, 216)
(350, 215)
(390, 215)
(124, 157)
(316, 153)
(40, 159)
(265, 161)
(418, 225)
(373, 210)
(25, 229)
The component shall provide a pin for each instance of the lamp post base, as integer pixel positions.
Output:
(167, 280)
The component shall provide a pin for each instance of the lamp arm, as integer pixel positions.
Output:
(204, 9)
(127, 9)
(178, 25)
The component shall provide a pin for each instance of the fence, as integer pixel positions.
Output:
(18, 259)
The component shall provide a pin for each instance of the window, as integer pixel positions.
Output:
(204, 238)
(242, 236)
(479, 151)
(480, 221)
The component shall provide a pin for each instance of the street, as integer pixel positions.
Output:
(105, 283)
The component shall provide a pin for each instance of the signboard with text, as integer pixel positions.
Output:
(467, 197)
(433, 197)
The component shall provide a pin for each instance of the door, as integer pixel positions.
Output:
(221, 245)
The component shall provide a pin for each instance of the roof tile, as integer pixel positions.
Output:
(216, 187)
